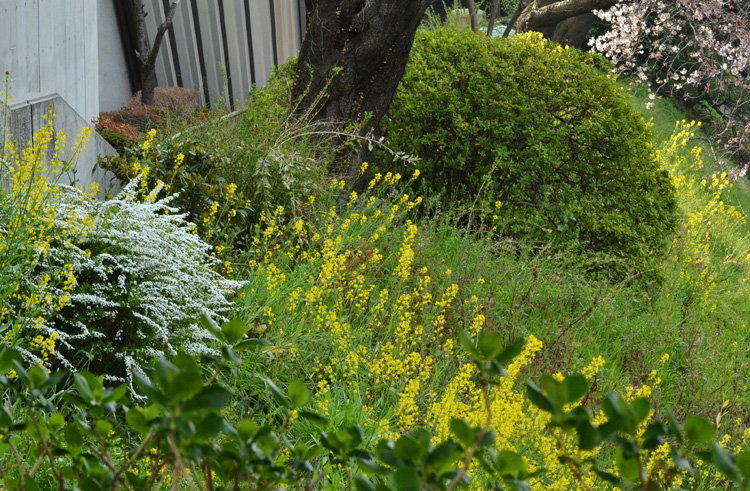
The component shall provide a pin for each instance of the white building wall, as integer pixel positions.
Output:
(50, 46)
(114, 82)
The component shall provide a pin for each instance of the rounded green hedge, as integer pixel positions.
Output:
(541, 129)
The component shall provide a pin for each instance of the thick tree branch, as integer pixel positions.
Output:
(512, 22)
(534, 19)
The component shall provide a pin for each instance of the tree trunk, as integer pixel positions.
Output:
(492, 16)
(148, 86)
(146, 54)
(309, 6)
(473, 15)
(351, 61)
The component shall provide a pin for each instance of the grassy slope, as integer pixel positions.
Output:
(664, 113)
(335, 343)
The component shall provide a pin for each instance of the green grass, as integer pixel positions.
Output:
(519, 293)
(699, 323)
(335, 341)
(665, 112)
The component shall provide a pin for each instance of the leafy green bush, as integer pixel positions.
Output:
(180, 435)
(538, 128)
(230, 174)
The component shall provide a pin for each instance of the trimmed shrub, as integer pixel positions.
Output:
(541, 130)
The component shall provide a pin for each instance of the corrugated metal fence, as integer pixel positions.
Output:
(222, 47)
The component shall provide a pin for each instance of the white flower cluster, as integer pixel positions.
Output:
(691, 49)
(142, 281)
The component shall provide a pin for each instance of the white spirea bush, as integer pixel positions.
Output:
(134, 282)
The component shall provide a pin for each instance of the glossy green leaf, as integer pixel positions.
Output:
(234, 330)
(641, 408)
(246, 429)
(576, 386)
(743, 464)
(56, 421)
(148, 389)
(212, 327)
(408, 448)
(465, 433)
(185, 385)
(626, 467)
(298, 393)
(535, 396)
(313, 417)
(7, 358)
(279, 396)
(252, 343)
(609, 477)
(511, 352)
(510, 463)
(489, 345)
(210, 398)
(363, 484)
(719, 458)
(405, 479)
(468, 344)
(37, 376)
(698, 430)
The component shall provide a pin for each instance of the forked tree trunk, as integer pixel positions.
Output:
(352, 59)
(146, 53)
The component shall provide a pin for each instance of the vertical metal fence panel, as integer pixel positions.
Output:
(236, 52)
(8, 34)
(262, 43)
(288, 33)
(91, 54)
(222, 47)
(187, 49)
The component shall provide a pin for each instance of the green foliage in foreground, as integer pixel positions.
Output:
(87, 436)
(542, 130)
